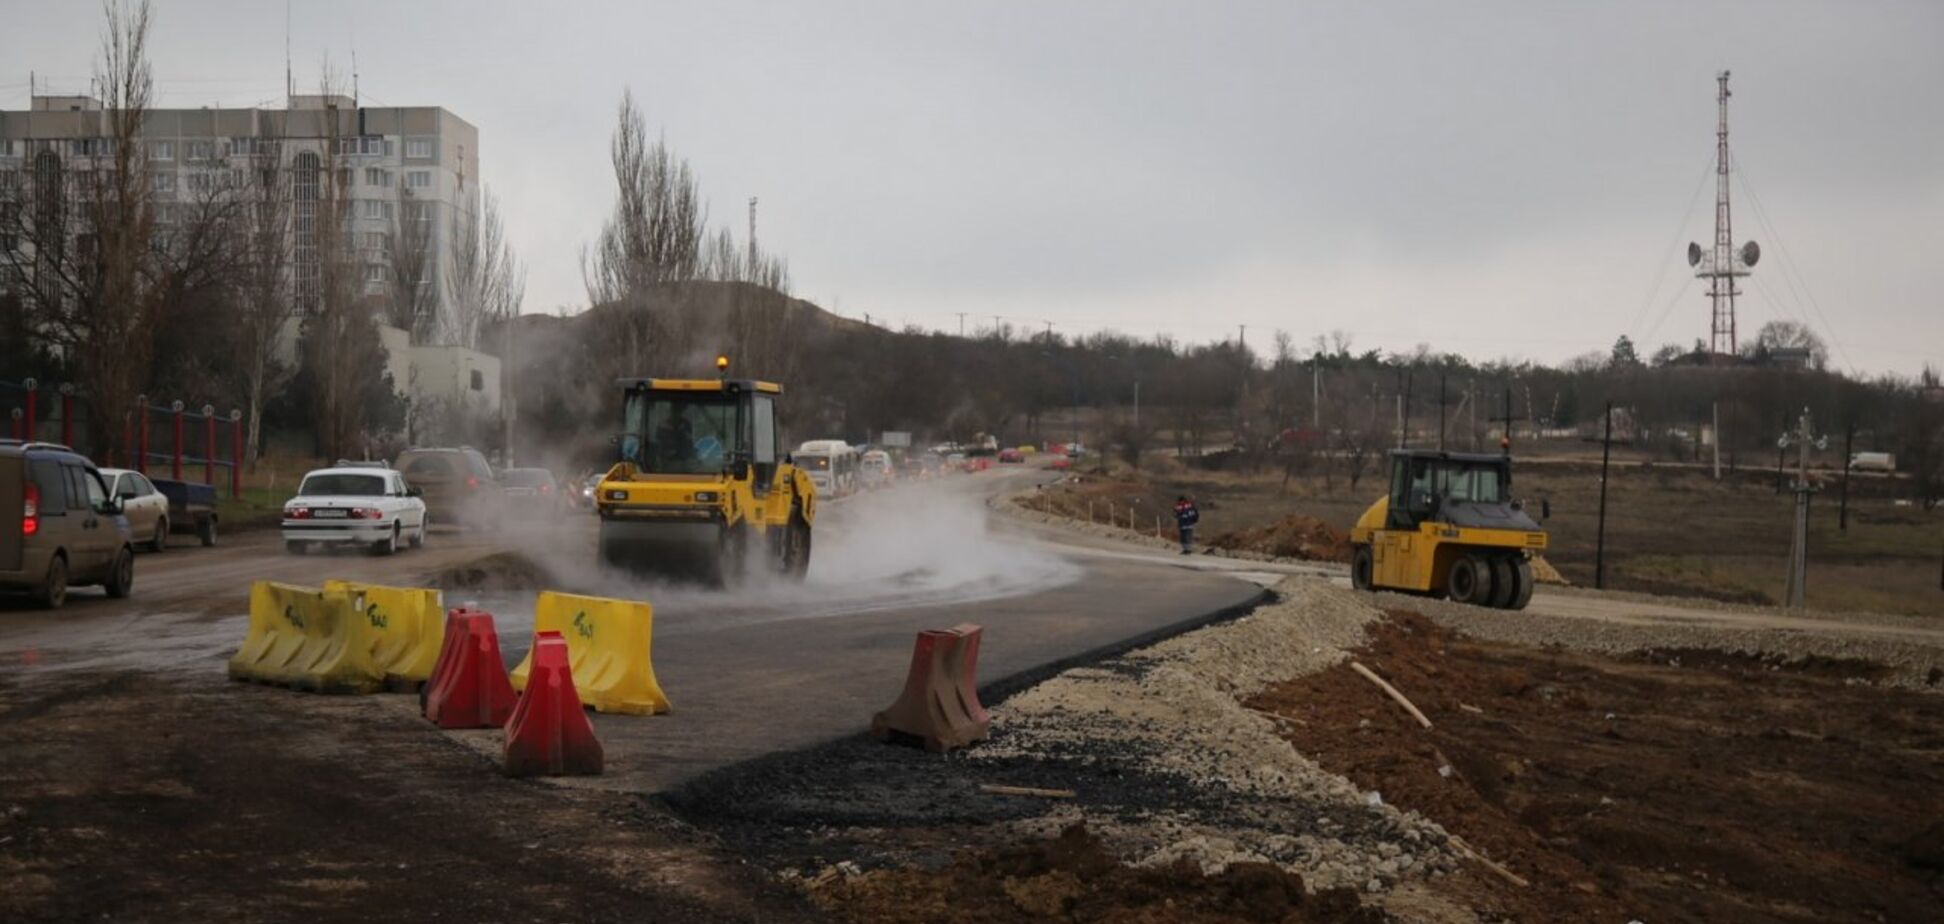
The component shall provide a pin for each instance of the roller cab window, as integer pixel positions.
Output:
(681, 433)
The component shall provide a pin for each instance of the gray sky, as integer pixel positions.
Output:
(1494, 179)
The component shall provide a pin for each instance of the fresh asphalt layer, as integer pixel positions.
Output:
(751, 672)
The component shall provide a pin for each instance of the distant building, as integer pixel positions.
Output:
(450, 380)
(386, 157)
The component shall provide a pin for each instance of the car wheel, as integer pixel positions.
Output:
(1362, 568)
(296, 547)
(418, 536)
(53, 590)
(1470, 580)
(206, 531)
(389, 544)
(121, 579)
(160, 540)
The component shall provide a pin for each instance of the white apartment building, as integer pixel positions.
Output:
(386, 157)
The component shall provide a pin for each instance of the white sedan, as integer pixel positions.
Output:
(350, 505)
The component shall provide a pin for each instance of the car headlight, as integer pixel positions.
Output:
(617, 495)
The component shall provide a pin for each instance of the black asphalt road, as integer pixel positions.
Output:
(750, 672)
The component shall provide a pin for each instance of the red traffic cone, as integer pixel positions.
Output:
(549, 734)
(469, 688)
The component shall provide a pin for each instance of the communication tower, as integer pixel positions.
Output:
(1723, 263)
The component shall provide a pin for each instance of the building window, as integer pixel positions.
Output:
(478, 381)
(162, 150)
(374, 272)
(375, 176)
(199, 182)
(374, 209)
(418, 179)
(202, 150)
(418, 148)
(164, 182)
(377, 240)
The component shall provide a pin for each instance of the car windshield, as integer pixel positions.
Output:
(680, 433)
(814, 462)
(526, 477)
(339, 485)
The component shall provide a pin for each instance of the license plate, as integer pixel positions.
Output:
(329, 514)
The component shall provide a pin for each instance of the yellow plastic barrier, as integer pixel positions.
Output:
(608, 645)
(307, 638)
(407, 625)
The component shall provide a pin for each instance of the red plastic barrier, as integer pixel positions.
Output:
(940, 703)
(549, 734)
(469, 688)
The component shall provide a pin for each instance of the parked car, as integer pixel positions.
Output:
(59, 525)
(145, 506)
(533, 492)
(192, 508)
(1009, 456)
(457, 486)
(358, 506)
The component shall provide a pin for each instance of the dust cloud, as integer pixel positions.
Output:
(914, 545)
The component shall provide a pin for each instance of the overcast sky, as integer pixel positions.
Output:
(1494, 179)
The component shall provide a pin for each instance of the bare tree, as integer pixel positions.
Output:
(653, 239)
(76, 233)
(343, 350)
(487, 279)
(263, 281)
(412, 300)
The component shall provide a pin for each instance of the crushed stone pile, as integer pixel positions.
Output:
(1175, 709)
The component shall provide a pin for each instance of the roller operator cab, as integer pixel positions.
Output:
(702, 489)
(1448, 527)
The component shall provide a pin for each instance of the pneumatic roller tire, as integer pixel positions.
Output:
(1470, 580)
(1523, 574)
(1504, 582)
(1363, 569)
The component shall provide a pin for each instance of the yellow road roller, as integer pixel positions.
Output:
(702, 490)
(1448, 528)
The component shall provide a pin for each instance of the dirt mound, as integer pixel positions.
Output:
(1072, 877)
(1294, 536)
(504, 571)
(1679, 785)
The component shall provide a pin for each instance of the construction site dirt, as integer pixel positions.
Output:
(1689, 785)
(130, 796)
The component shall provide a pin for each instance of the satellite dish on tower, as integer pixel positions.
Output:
(1751, 252)
(1694, 254)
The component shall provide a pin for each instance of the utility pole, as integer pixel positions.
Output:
(1717, 440)
(752, 238)
(1781, 457)
(1802, 438)
(1849, 439)
(1404, 414)
(1599, 543)
(1441, 412)
(1316, 394)
(961, 325)
(1505, 420)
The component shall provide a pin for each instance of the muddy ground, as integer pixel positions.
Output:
(126, 796)
(1671, 786)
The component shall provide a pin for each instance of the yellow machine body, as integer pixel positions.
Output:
(702, 487)
(1453, 511)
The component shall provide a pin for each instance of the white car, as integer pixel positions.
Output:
(354, 505)
(147, 510)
